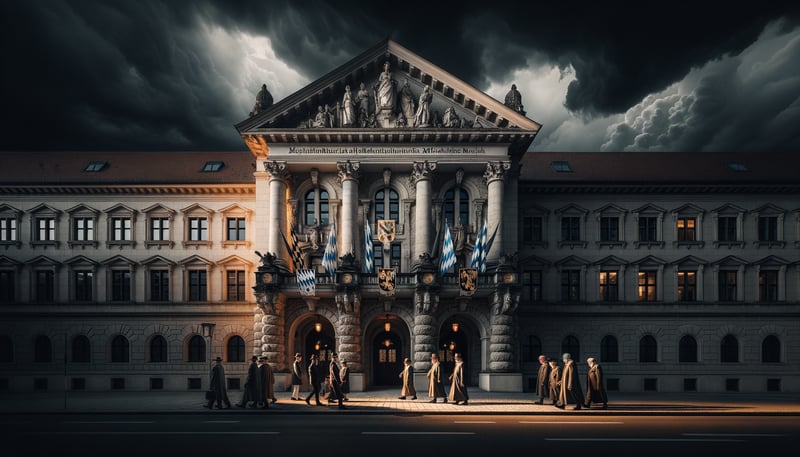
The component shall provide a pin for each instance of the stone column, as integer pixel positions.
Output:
(349, 344)
(421, 176)
(348, 178)
(278, 177)
(426, 340)
(495, 180)
(501, 343)
(268, 333)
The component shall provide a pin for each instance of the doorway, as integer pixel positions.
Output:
(387, 363)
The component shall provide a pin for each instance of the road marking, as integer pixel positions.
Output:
(155, 433)
(733, 434)
(571, 423)
(474, 422)
(221, 422)
(692, 440)
(417, 433)
(107, 422)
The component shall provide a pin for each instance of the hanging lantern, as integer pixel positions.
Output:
(387, 325)
(316, 346)
(454, 326)
(452, 345)
(318, 325)
(387, 343)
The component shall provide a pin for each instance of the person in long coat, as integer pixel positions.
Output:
(263, 381)
(458, 388)
(407, 375)
(217, 385)
(336, 380)
(595, 391)
(315, 377)
(297, 376)
(555, 380)
(269, 387)
(250, 384)
(543, 380)
(571, 392)
(435, 386)
(344, 374)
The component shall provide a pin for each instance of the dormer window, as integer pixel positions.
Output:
(213, 166)
(561, 166)
(95, 167)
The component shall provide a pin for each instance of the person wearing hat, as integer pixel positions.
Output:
(250, 384)
(542, 380)
(315, 376)
(571, 392)
(595, 391)
(267, 383)
(297, 375)
(407, 375)
(435, 386)
(555, 380)
(458, 388)
(345, 375)
(217, 386)
(336, 379)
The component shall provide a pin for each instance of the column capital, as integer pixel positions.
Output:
(496, 170)
(348, 171)
(422, 171)
(277, 170)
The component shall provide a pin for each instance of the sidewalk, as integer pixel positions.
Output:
(386, 402)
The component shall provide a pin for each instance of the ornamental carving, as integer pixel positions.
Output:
(277, 170)
(348, 170)
(422, 170)
(495, 170)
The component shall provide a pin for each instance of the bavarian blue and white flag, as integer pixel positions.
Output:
(477, 251)
(448, 259)
(307, 282)
(487, 245)
(368, 252)
(331, 255)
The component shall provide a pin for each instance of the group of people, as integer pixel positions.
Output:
(458, 389)
(336, 383)
(259, 390)
(562, 385)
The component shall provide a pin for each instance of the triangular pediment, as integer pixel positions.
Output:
(572, 261)
(611, 260)
(294, 118)
(730, 260)
(649, 260)
(690, 260)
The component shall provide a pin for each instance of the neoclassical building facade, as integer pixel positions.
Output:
(130, 271)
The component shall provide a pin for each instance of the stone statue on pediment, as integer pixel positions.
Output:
(263, 100)
(514, 100)
(321, 119)
(348, 108)
(385, 90)
(401, 120)
(407, 101)
(362, 100)
(422, 118)
(450, 118)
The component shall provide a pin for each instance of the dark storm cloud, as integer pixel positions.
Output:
(137, 75)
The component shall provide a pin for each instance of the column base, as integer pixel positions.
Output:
(500, 382)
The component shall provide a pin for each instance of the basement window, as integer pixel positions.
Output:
(94, 167)
(213, 166)
(561, 166)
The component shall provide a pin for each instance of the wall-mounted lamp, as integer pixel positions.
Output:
(318, 325)
(387, 325)
(454, 326)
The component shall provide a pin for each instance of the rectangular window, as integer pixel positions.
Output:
(7, 286)
(647, 286)
(727, 285)
(690, 384)
(395, 257)
(117, 383)
(236, 285)
(45, 229)
(78, 383)
(570, 285)
(377, 261)
(198, 229)
(570, 228)
(8, 229)
(83, 229)
(45, 285)
(609, 229)
(156, 383)
(236, 229)
(608, 286)
(532, 285)
(121, 229)
(687, 285)
(532, 229)
(648, 229)
(197, 285)
(159, 285)
(159, 229)
(686, 229)
(650, 384)
(726, 228)
(120, 285)
(768, 286)
(767, 228)
(731, 385)
(83, 285)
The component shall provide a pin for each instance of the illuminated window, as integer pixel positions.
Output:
(83, 229)
(686, 229)
(608, 286)
(8, 229)
(647, 286)
(45, 229)
(159, 229)
(121, 229)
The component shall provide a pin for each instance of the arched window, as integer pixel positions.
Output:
(42, 350)
(197, 349)
(6, 349)
(81, 349)
(120, 349)
(648, 349)
(609, 349)
(387, 205)
(236, 349)
(570, 344)
(316, 209)
(729, 349)
(687, 349)
(158, 349)
(771, 349)
(456, 207)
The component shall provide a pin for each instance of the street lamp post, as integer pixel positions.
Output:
(208, 334)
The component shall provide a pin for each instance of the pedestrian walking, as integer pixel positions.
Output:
(217, 386)
(435, 386)
(250, 384)
(344, 374)
(595, 390)
(555, 380)
(263, 381)
(407, 375)
(571, 392)
(269, 386)
(336, 380)
(297, 375)
(315, 377)
(543, 380)
(458, 388)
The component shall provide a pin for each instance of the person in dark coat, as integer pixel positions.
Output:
(555, 380)
(263, 380)
(344, 373)
(269, 387)
(315, 377)
(217, 385)
(297, 376)
(543, 380)
(250, 384)
(407, 375)
(435, 386)
(458, 388)
(595, 391)
(571, 392)
(336, 380)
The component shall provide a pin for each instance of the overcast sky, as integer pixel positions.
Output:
(177, 75)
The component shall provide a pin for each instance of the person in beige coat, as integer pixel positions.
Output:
(595, 390)
(407, 375)
(458, 389)
(435, 386)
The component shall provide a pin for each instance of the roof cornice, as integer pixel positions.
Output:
(130, 189)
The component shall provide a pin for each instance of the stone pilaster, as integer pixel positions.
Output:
(494, 175)
(501, 343)
(421, 177)
(278, 178)
(272, 335)
(349, 344)
(348, 178)
(426, 340)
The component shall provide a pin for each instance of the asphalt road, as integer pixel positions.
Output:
(406, 435)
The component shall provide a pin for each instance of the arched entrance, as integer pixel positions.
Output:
(460, 335)
(387, 341)
(387, 362)
(318, 337)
